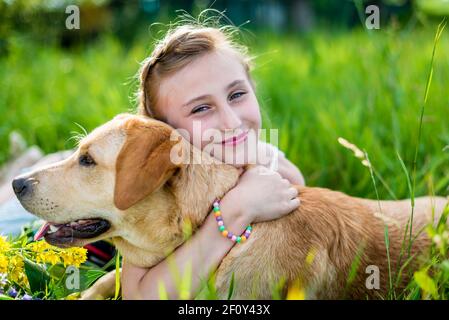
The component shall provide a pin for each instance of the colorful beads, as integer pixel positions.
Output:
(222, 228)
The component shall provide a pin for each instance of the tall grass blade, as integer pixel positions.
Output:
(438, 34)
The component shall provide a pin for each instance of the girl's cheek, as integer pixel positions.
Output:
(252, 108)
(197, 130)
(253, 114)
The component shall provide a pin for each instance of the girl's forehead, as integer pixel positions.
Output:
(208, 74)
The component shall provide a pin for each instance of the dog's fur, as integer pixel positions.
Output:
(147, 199)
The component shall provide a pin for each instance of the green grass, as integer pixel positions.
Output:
(368, 88)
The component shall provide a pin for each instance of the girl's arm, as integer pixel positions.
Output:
(257, 197)
(201, 254)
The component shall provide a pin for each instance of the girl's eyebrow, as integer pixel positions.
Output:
(234, 83)
(229, 86)
(196, 99)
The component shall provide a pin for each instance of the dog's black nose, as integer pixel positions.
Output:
(21, 186)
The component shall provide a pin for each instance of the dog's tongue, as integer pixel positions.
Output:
(42, 231)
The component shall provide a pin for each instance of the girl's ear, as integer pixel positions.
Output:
(143, 164)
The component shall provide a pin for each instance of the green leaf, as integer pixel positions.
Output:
(231, 287)
(442, 222)
(355, 265)
(86, 278)
(211, 289)
(57, 271)
(3, 297)
(117, 275)
(93, 275)
(426, 283)
(37, 275)
(387, 247)
(445, 266)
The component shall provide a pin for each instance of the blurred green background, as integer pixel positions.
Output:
(320, 75)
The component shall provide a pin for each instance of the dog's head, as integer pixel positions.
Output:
(105, 189)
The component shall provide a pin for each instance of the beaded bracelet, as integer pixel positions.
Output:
(222, 228)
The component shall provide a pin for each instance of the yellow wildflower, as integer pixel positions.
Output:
(16, 262)
(311, 256)
(16, 270)
(4, 245)
(79, 255)
(46, 253)
(39, 246)
(296, 291)
(74, 256)
(48, 256)
(3, 263)
(73, 296)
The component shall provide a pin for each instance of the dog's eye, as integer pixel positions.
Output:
(86, 160)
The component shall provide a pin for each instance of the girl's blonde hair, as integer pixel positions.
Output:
(180, 46)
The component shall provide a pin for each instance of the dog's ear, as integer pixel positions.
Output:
(143, 164)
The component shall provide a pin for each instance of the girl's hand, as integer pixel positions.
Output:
(263, 195)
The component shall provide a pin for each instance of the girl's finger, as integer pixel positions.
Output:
(293, 192)
(294, 203)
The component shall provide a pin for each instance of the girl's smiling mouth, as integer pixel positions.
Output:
(236, 139)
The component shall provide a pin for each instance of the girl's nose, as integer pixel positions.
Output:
(229, 119)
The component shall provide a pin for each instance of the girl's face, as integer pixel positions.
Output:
(213, 101)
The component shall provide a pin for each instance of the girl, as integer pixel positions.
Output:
(198, 75)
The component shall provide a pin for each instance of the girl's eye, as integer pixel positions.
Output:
(237, 95)
(200, 109)
(86, 160)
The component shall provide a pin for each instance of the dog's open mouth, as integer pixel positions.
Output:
(67, 234)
